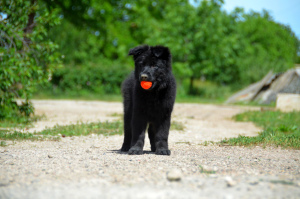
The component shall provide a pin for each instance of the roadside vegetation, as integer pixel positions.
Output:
(55, 133)
(19, 121)
(214, 54)
(279, 129)
(59, 131)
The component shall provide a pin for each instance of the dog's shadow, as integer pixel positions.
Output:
(118, 151)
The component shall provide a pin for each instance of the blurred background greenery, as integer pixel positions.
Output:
(78, 48)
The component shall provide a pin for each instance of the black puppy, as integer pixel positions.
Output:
(152, 106)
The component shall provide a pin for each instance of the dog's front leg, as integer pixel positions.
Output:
(161, 137)
(139, 124)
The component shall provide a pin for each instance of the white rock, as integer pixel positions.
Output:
(230, 182)
(174, 175)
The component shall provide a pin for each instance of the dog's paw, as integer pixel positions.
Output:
(153, 148)
(135, 151)
(163, 152)
(125, 148)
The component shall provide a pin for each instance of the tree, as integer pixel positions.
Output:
(204, 41)
(97, 28)
(267, 45)
(27, 57)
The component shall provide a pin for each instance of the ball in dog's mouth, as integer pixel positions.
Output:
(146, 84)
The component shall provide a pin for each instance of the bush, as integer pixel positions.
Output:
(105, 77)
(204, 89)
(27, 57)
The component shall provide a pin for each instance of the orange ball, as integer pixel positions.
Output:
(146, 85)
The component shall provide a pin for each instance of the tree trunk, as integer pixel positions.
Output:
(30, 24)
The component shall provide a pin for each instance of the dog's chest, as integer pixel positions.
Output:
(154, 106)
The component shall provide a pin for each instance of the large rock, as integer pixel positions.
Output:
(288, 102)
(266, 90)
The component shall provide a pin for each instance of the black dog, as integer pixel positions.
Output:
(152, 106)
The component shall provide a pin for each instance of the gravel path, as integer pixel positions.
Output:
(92, 166)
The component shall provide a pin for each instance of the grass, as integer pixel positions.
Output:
(283, 182)
(8, 126)
(84, 129)
(256, 103)
(79, 129)
(17, 136)
(3, 143)
(19, 121)
(55, 134)
(175, 125)
(280, 129)
(206, 171)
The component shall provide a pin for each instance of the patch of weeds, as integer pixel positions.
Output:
(3, 144)
(175, 125)
(18, 136)
(19, 121)
(207, 143)
(120, 115)
(282, 182)
(280, 129)
(206, 171)
(104, 128)
(55, 133)
(188, 143)
(256, 103)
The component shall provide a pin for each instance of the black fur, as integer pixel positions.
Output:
(151, 107)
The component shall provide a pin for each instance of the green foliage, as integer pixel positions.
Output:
(267, 45)
(104, 77)
(94, 28)
(207, 43)
(27, 57)
(206, 89)
(204, 46)
(280, 129)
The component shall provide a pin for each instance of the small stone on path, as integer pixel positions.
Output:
(230, 182)
(174, 175)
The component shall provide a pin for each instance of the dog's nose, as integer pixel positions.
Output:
(144, 77)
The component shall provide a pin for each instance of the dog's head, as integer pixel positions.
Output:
(152, 63)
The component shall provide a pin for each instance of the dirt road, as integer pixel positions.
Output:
(92, 166)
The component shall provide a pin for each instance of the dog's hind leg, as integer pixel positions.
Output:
(127, 131)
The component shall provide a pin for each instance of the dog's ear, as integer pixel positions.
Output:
(138, 50)
(161, 52)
